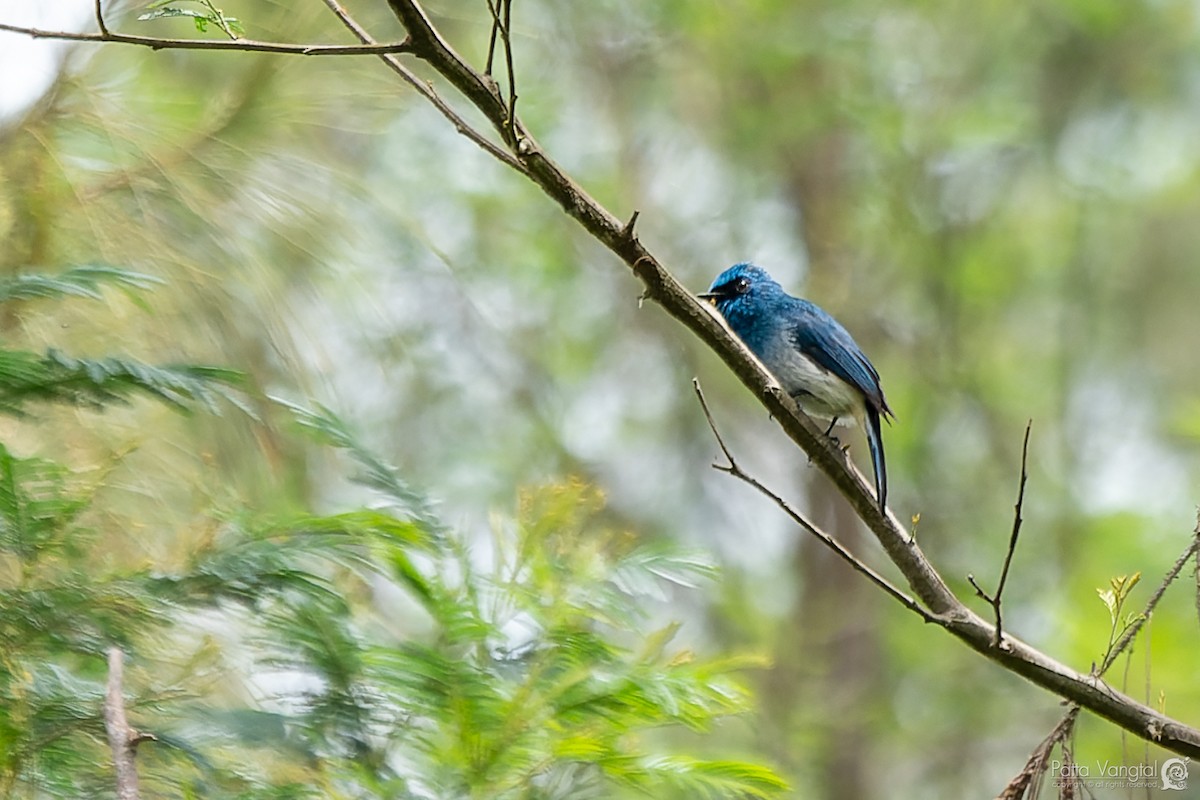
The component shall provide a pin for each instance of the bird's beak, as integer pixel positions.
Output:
(711, 297)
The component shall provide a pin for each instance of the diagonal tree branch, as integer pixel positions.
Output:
(662, 287)
(246, 45)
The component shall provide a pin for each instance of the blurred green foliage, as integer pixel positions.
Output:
(996, 199)
(534, 677)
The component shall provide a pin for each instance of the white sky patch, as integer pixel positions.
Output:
(30, 65)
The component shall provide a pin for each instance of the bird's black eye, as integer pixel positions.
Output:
(741, 285)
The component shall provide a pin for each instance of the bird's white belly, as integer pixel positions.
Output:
(817, 391)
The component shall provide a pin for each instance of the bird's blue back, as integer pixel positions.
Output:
(757, 316)
(779, 329)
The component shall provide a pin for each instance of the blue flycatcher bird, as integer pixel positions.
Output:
(812, 356)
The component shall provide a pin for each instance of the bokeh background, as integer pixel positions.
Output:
(999, 200)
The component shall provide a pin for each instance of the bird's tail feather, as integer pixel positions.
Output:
(875, 441)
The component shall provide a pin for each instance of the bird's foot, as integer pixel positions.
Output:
(845, 448)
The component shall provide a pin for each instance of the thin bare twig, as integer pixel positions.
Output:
(994, 601)
(427, 91)
(501, 11)
(100, 18)
(833, 544)
(1196, 571)
(122, 739)
(487, 68)
(247, 45)
(506, 33)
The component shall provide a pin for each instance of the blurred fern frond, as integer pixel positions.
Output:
(80, 281)
(55, 377)
(531, 673)
(397, 658)
(327, 427)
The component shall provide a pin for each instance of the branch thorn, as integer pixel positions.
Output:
(627, 229)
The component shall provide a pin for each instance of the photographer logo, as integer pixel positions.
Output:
(1174, 774)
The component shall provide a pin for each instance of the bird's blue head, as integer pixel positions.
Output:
(741, 288)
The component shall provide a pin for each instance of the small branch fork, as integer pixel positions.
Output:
(994, 602)
(833, 544)
(122, 739)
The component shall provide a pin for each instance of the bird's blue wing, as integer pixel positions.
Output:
(823, 339)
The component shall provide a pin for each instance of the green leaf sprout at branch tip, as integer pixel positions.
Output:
(1114, 598)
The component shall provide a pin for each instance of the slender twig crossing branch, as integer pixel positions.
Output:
(247, 45)
(506, 33)
(491, 56)
(1196, 570)
(994, 601)
(425, 90)
(100, 18)
(732, 468)
(501, 11)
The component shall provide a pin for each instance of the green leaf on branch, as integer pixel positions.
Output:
(1114, 598)
(209, 15)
